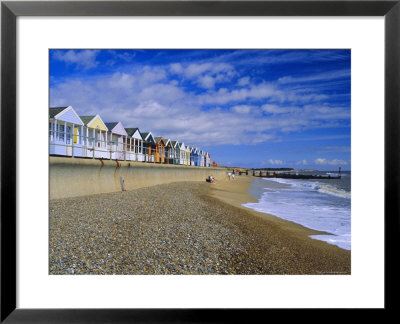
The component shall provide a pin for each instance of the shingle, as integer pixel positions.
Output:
(131, 131)
(53, 111)
(110, 126)
(86, 119)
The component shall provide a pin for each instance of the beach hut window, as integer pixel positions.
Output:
(61, 133)
(68, 134)
(51, 131)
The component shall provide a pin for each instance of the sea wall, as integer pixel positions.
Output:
(72, 177)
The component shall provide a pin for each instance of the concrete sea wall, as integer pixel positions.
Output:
(72, 177)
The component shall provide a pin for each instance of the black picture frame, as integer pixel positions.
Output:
(10, 10)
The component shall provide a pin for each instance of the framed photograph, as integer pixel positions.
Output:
(286, 108)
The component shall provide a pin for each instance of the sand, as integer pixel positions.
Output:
(182, 228)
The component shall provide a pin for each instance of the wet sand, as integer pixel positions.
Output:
(182, 228)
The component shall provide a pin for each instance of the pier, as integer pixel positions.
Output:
(286, 175)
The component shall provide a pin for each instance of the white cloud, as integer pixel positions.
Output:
(243, 81)
(194, 70)
(302, 162)
(316, 77)
(176, 68)
(206, 81)
(324, 161)
(275, 109)
(276, 162)
(242, 109)
(85, 59)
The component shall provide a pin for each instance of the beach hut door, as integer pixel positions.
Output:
(68, 141)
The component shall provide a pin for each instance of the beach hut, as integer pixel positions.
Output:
(169, 152)
(201, 158)
(204, 158)
(149, 145)
(135, 145)
(197, 155)
(177, 152)
(65, 132)
(159, 154)
(194, 156)
(187, 157)
(208, 160)
(95, 133)
(116, 140)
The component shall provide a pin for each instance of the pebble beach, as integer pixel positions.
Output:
(188, 228)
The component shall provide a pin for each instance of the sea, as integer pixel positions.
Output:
(319, 204)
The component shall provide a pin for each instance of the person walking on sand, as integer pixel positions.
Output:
(233, 176)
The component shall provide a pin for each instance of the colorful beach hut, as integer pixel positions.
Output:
(65, 132)
(187, 154)
(208, 160)
(204, 158)
(159, 154)
(169, 151)
(177, 152)
(95, 133)
(201, 158)
(116, 140)
(135, 145)
(149, 146)
(194, 156)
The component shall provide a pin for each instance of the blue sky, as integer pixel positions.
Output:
(250, 108)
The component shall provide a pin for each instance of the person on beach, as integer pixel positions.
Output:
(210, 179)
(233, 176)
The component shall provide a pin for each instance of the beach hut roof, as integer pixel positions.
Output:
(67, 114)
(147, 136)
(159, 139)
(130, 131)
(116, 128)
(174, 143)
(111, 125)
(87, 119)
(54, 111)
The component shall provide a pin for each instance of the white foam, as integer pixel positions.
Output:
(314, 185)
(312, 204)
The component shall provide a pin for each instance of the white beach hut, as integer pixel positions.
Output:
(135, 145)
(183, 153)
(65, 132)
(117, 140)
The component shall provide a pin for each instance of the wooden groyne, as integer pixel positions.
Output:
(285, 175)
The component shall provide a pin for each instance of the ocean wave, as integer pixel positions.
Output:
(314, 185)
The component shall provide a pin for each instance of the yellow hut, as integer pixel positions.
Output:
(187, 151)
(95, 134)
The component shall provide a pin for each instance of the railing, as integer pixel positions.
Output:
(76, 145)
